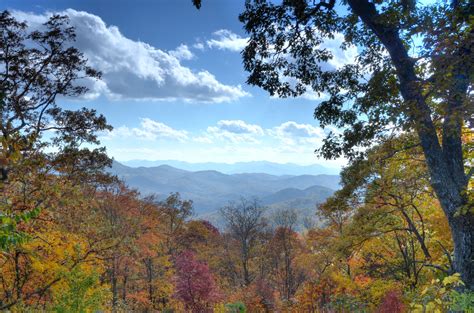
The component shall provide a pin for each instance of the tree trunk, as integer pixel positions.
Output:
(150, 278)
(462, 231)
(445, 164)
(124, 287)
(114, 284)
(245, 263)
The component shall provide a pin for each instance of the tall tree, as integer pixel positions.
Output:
(195, 284)
(244, 221)
(414, 71)
(37, 67)
(284, 248)
(175, 211)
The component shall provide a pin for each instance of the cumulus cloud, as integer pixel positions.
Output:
(203, 139)
(239, 127)
(235, 131)
(225, 141)
(341, 56)
(293, 133)
(292, 128)
(199, 46)
(136, 70)
(182, 52)
(312, 95)
(148, 130)
(153, 129)
(226, 40)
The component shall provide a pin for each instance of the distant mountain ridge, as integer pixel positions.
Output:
(241, 167)
(211, 189)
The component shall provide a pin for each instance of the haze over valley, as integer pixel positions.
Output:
(210, 190)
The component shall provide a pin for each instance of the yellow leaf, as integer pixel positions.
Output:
(455, 278)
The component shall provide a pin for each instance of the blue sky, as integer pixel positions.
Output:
(174, 87)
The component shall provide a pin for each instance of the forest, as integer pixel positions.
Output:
(396, 237)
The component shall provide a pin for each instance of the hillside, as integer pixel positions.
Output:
(211, 189)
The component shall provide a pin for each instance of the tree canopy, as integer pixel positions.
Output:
(413, 72)
(75, 239)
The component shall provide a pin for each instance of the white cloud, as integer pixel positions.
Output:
(154, 129)
(148, 130)
(136, 70)
(118, 132)
(235, 131)
(292, 128)
(182, 52)
(227, 40)
(239, 127)
(226, 141)
(203, 139)
(199, 46)
(312, 95)
(293, 133)
(341, 56)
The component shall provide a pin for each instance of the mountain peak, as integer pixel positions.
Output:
(211, 189)
(264, 167)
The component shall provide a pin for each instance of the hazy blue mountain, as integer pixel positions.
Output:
(210, 189)
(303, 201)
(240, 167)
(313, 193)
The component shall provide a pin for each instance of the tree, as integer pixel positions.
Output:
(284, 247)
(113, 229)
(396, 205)
(175, 212)
(414, 70)
(31, 270)
(195, 285)
(244, 221)
(37, 66)
(81, 294)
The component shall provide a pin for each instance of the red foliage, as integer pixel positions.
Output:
(265, 293)
(392, 303)
(211, 228)
(195, 284)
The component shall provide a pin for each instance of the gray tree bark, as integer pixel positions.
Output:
(445, 162)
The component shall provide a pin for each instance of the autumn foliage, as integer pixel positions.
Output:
(73, 238)
(195, 284)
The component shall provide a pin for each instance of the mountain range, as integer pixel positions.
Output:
(241, 167)
(211, 189)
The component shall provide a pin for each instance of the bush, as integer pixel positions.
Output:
(236, 307)
(81, 294)
(444, 296)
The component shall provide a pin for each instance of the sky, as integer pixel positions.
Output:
(173, 85)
